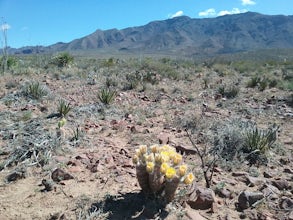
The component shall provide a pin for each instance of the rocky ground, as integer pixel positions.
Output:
(84, 169)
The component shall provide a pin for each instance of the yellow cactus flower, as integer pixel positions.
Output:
(177, 159)
(164, 168)
(182, 170)
(189, 178)
(170, 173)
(165, 156)
(150, 167)
(172, 154)
(143, 149)
(135, 159)
(154, 148)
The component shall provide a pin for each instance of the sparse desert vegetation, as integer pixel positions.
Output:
(70, 126)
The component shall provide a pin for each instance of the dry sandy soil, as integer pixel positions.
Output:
(101, 178)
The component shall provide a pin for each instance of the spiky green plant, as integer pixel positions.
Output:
(258, 142)
(63, 108)
(107, 96)
(62, 59)
(35, 90)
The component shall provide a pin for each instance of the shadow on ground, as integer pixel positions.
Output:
(130, 206)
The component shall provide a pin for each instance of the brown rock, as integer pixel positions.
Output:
(246, 199)
(281, 184)
(59, 175)
(239, 173)
(225, 193)
(201, 198)
(290, 217)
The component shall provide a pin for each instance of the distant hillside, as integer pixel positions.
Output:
(187, 36)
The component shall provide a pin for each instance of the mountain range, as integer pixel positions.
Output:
(185, 36)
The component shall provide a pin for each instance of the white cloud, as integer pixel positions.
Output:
(177, 14)
(208, 13)
(5, 27)
(248, 2)
(233, 11)
(212, 12)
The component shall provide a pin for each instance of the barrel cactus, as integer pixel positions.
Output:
(160, 170)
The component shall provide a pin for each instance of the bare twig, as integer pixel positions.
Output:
(207, 167)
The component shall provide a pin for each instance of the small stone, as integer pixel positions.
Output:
(239, 173)
(48, 184)
(15, 175)
(225, 193)
(290, 217)
(288, 170)
(246, 199)
(286, 203)
(267, 174)
(281, 184)
(59, 175)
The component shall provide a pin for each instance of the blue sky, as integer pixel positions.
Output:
(45, 22)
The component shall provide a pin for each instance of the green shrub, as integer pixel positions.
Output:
(35, 90)
(263, 84)
(107, 96)
(253, 82)
(62, 59)
(228, 92)
(258, 142)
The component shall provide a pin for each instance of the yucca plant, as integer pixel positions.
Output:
(63, 108)
(35, 90)
(258, 142)
(107, 96)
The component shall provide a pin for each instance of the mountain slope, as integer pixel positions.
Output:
(184, 35)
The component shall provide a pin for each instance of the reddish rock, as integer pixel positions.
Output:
(59, 175)
(201, 198)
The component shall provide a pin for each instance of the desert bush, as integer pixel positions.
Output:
(236, 141)
(62, 59)
(228, 91)
(263, 84)
(253, 82)
(107, 96)
(35, 91)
